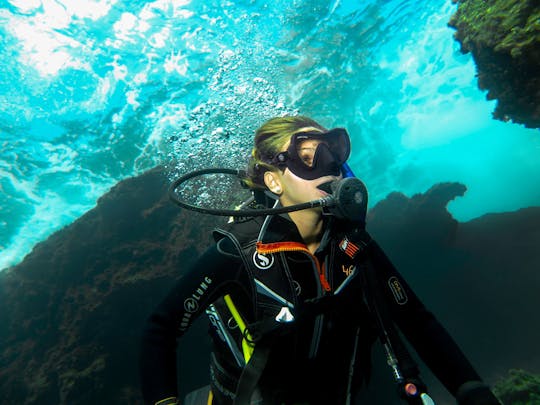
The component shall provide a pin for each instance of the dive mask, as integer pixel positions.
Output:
(312, 160)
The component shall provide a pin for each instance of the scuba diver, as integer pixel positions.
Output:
(297, 292)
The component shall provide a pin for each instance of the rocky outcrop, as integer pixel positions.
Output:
(72, 311)
(504, 39)
(519, 387)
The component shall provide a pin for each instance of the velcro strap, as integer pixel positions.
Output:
(251, 374)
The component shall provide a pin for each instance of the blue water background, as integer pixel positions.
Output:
(92, 92)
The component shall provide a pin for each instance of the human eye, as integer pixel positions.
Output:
(306, 154)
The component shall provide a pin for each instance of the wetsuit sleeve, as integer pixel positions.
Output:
(429, 338)
(205, 281)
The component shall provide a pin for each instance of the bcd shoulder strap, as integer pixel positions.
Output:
(270, 297)
(270, 280)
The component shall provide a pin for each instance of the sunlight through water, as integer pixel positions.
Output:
(93, 92)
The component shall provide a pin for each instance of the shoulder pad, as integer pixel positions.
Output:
(226, 247)
(244, 232)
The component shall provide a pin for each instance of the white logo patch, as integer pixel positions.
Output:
(261, 261)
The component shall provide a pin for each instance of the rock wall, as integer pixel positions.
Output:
(73, 310)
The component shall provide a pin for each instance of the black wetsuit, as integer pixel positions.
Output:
(311, 358)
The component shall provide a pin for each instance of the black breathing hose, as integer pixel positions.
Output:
(245, 212)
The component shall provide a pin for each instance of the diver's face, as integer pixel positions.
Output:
(297, 190)
(299, 186)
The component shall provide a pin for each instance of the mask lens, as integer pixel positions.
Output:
(306, 149)
(339, 144)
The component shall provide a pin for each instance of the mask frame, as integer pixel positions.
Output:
(329, 156)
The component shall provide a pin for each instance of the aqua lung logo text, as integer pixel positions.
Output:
(399, 293)
(261, 261)
(191, 304)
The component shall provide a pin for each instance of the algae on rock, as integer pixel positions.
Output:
(504, 39)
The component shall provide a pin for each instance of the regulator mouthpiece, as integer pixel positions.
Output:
(348, 199)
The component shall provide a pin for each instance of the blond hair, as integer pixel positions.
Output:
(269, 141)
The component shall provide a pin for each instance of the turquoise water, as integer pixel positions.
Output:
(96, 91)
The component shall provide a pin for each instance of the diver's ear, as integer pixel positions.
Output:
(273, 182)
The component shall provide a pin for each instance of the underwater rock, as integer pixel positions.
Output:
(73, 310)
(504, 39)
(426, 213)
(519, 388)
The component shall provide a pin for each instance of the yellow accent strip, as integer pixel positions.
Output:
(210, 398)
(166, 401)
(247, 346)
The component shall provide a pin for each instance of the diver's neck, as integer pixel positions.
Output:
(310, 226)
